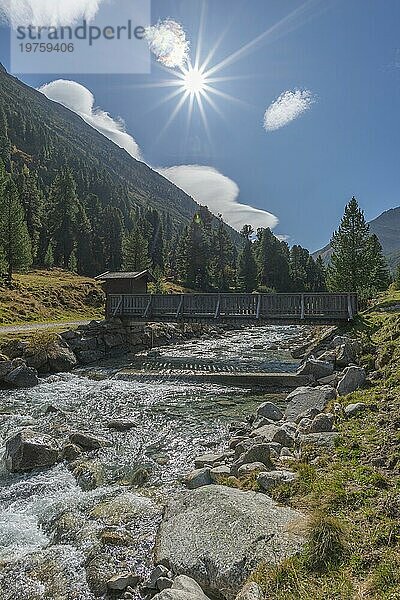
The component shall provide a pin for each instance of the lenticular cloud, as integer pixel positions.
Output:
(286, 108)
(167, 41)
(56, 13)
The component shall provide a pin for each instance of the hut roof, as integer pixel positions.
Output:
(125, 275)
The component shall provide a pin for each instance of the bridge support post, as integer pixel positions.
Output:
(349, 307)
(303, 308)
(216, 314)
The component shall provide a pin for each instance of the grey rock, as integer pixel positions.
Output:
(159, 571)
(304, 425)
(196, 536)
(61, 359)
(71, 452)
(285, 452)
(209, 460)
(164, 583)
(22, 377)
(271, 479)
(322, 422)
(258, 453)
(250, 468)
(183, 588)
(285, 436)
(219, 472)
(5, 368)
(324, 440)
(347, 350)
(29, 450)
(354, 409)
(250, 591)
(266, 432)
(270, 411)
(316, 368)
(87, 441)
(122, 581)
(332, 380)
(328, 356)
(89, 475)
(121, 424)
(198, 478)
(309, 414)
(353, 378)
(303, 399)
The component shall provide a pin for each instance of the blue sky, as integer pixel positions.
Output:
(347, 53)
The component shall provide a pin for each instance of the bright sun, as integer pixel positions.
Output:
(194, 81)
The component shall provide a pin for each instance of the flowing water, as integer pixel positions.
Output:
(53, 531)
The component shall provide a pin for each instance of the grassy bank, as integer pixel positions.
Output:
(55, 295)
(352, 495)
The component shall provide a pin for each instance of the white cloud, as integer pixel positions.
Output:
(205, 184)
(81, 100)
(54, 13)
(209, 187)
(167, 41)
(286, 108)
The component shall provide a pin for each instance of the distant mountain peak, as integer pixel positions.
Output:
(2, 69)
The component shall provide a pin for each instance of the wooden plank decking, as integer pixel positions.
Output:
(321, 307)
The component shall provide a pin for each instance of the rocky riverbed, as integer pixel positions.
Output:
(83, 525)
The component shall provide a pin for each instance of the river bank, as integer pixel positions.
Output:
(58, 524)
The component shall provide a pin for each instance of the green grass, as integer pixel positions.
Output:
(353, 493)
(50, 296)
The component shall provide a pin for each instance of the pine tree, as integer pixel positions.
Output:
(316, 274)
(5, 144)
(14, 237)
(63, 219)
(247, 268)
(355, 257)
(135, 251)
(397, 278)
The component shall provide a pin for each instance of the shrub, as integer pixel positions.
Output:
(326, 541)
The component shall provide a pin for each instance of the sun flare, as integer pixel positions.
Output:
(194, 81)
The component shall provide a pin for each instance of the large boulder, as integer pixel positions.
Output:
(316, 368)
(347, 350)
(87, 441)
(303, 399)
(258, 453)
(183, 588)
(270, 411)
(60, 358)
(20, 375)
(271, 479)
(218, 535)
(353, 378)
(29, 450)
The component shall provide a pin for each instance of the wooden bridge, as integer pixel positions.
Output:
(235, 308)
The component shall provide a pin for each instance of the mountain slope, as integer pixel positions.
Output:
(46, 135)
(387, 228)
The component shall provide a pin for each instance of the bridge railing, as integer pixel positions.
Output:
(307, 306)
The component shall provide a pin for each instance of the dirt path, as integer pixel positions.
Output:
(4, 329)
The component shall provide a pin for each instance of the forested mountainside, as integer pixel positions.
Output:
(80, 196)
(46, 136)
(387, 228)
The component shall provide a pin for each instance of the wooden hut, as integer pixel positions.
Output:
(125, 283)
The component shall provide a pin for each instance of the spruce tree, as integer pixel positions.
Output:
(63, 219)
(397, 278)
(356, 260)
(380, 274)
(14, 237)
(272, 256)
(223, 271)
(112, 238)
(195, 260)
(247, 268)
(135, 251)
(32, 201)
